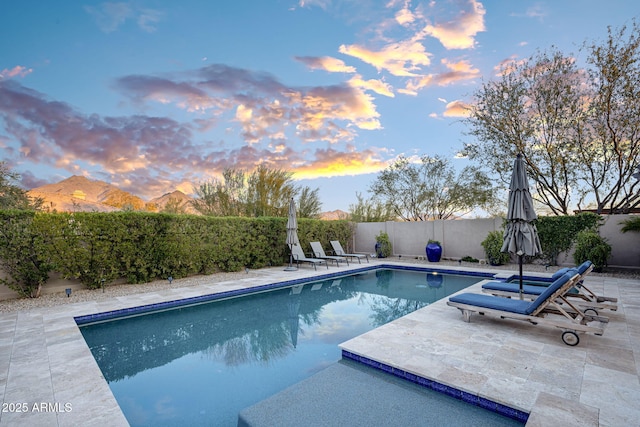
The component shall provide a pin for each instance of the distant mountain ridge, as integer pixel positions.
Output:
(80, 194)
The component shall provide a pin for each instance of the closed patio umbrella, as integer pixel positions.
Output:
(521, 235)
(292, 233)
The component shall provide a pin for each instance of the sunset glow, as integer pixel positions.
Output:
(158, 96)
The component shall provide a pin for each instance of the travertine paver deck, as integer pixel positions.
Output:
(48, 376)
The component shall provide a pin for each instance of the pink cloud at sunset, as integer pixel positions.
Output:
(404, 58)
(459, 32)
(153, 96)
(456, 109)
(17, 71)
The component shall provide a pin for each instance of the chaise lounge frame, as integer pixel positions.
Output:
(337, 249)
(554, 310)
(299, 256)
(588, 300)
(318, 252)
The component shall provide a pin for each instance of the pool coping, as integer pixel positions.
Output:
(43, 357)
(201, 299)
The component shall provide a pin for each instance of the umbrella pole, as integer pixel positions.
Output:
(520, 263)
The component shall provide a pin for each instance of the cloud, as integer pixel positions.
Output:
(404, 58)
(457, 109)
(17, 71)
(326, 63)
(459, 32)
(322, 4)
(264, 108)
(153, 154)
(52, 133)
(148, 18)
(508, 66)
(331, 162)
(458, 71)
(378, 86)
(404, 16)
(111, 16)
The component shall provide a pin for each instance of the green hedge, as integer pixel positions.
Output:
(558, 233)
(98, 248)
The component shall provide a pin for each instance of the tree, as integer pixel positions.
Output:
(263, 192)
(175, 206)
(529, 110)
(309, 205)
(269, 192)
(11, 195)
(577, 129)
(371, 210)
(430, 189)
(611, 153)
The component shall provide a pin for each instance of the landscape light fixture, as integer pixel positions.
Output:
(68, 291)
(170, 279)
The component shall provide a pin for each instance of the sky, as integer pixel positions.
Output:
(154, 96)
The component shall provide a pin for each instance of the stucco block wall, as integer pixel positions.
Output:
(460, 238)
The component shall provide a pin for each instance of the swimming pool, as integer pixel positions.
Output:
(202, 364)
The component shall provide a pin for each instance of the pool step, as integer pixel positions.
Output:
(349, 393)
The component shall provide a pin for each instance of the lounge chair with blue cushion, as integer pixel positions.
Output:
(318, 252)
(586, 299)
(299, 256)
(549, 308)
(337, 249)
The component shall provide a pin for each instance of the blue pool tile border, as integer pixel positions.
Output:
(473, 399)
(166, 305)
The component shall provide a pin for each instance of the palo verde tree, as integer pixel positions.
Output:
(430, 189)
(370, 210)
(262, 192)
(578, 129)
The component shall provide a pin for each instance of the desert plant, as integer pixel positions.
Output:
(590, 246)
(383, 245)
(632, 224)
(492, 245)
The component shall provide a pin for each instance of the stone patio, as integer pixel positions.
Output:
(48, 376)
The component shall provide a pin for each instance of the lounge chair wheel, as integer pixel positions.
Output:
(591, 312)
(570, 338)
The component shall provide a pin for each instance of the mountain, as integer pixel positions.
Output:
(79, 194)
(334, 215)
(176, 200)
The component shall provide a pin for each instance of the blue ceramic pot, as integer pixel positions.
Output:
(379, 253)
(434, 252)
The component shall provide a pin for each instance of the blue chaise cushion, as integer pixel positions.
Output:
(512, 305)
(582, 268)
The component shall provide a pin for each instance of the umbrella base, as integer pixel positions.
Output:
(291, 269)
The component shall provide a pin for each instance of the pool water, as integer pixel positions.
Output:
(203, 364)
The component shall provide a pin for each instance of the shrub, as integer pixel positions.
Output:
(591, 247)
(632, 224)
(98, 248)
(384, 248)
(468, 258)
(558, 233)
(25, 265)
(492, 245)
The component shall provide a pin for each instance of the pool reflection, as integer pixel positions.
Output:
(264, 329)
